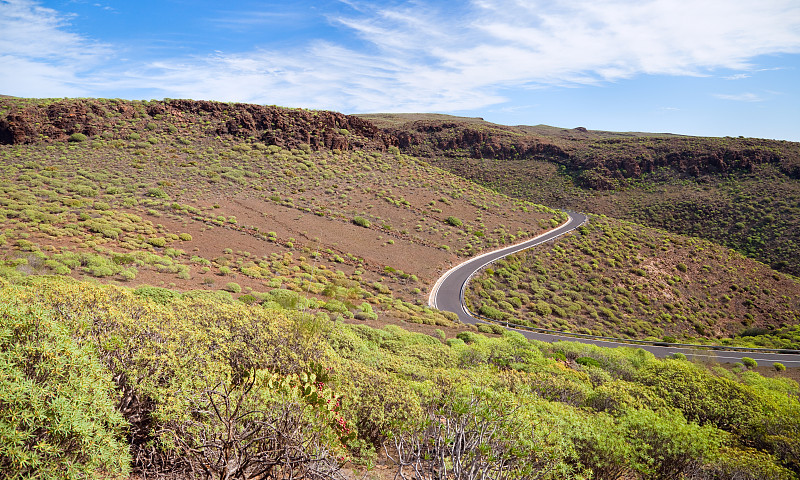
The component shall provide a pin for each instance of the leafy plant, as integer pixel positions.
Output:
(58, 417)
(361, 222)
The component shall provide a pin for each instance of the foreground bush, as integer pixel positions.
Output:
(213, 388)
(57, 402)
(193, 379)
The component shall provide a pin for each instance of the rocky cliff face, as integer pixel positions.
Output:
(594, 161)
(30, 121)
(430, 138)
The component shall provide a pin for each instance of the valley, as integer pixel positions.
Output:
(178, 277)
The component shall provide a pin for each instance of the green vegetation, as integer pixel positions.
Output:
(58, 417)
(241, 348)
(361, 222)
(77, 137)
(739, 192)
(619, 279)
(210, 373)
(454, 221)
(749, 362)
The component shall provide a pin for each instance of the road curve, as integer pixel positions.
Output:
(448, 295)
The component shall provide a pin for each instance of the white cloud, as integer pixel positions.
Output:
(39, 56)
(419, 57)
(430, 56)
(741, 97)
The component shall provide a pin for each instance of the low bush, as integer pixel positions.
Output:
(588, 362)
(453, 221)
(749, 362)
(362, 222)
(162, 296)
(57, 402)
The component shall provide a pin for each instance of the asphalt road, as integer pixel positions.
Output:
(448, 295)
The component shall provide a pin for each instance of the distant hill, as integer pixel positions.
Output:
(247, 199)
(741, 192)
(215, 196)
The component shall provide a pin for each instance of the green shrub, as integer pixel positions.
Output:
(365, 312)
(77, 137)
(542, 308)
(57, 403)
(749, 362)
(335, 306)
(233, 287)
(668, 446)
(747, 464)
(779, 366)
(128, 274)
(492, 312)
(156, 193)
(484, 328)
(588, 362)
(247, 299)
(287, 299)
(157, 241)
(362, 222)
(453, 221)
(162, 296)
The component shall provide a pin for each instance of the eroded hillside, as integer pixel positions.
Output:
(248, 199)
(743, 193)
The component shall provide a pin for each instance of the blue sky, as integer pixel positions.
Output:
(695, 67)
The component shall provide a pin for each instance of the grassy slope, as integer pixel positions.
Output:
(155, 199)
(739, 192)
(621, 279)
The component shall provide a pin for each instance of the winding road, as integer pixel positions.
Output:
(448, 295)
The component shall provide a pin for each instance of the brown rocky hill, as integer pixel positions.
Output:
(598, 158)
(743, 193)
(30, 121)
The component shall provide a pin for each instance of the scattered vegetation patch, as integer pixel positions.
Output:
(623, 280)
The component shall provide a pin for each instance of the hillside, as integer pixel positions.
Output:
(623, 280)
(115, 382)
(208, 290)
(325, 210)
(186, 195)
(743, 193)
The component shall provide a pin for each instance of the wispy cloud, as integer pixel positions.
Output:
(741, 97)
(245, 20)
(38, 54)
(421, 57)
(425, 56)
